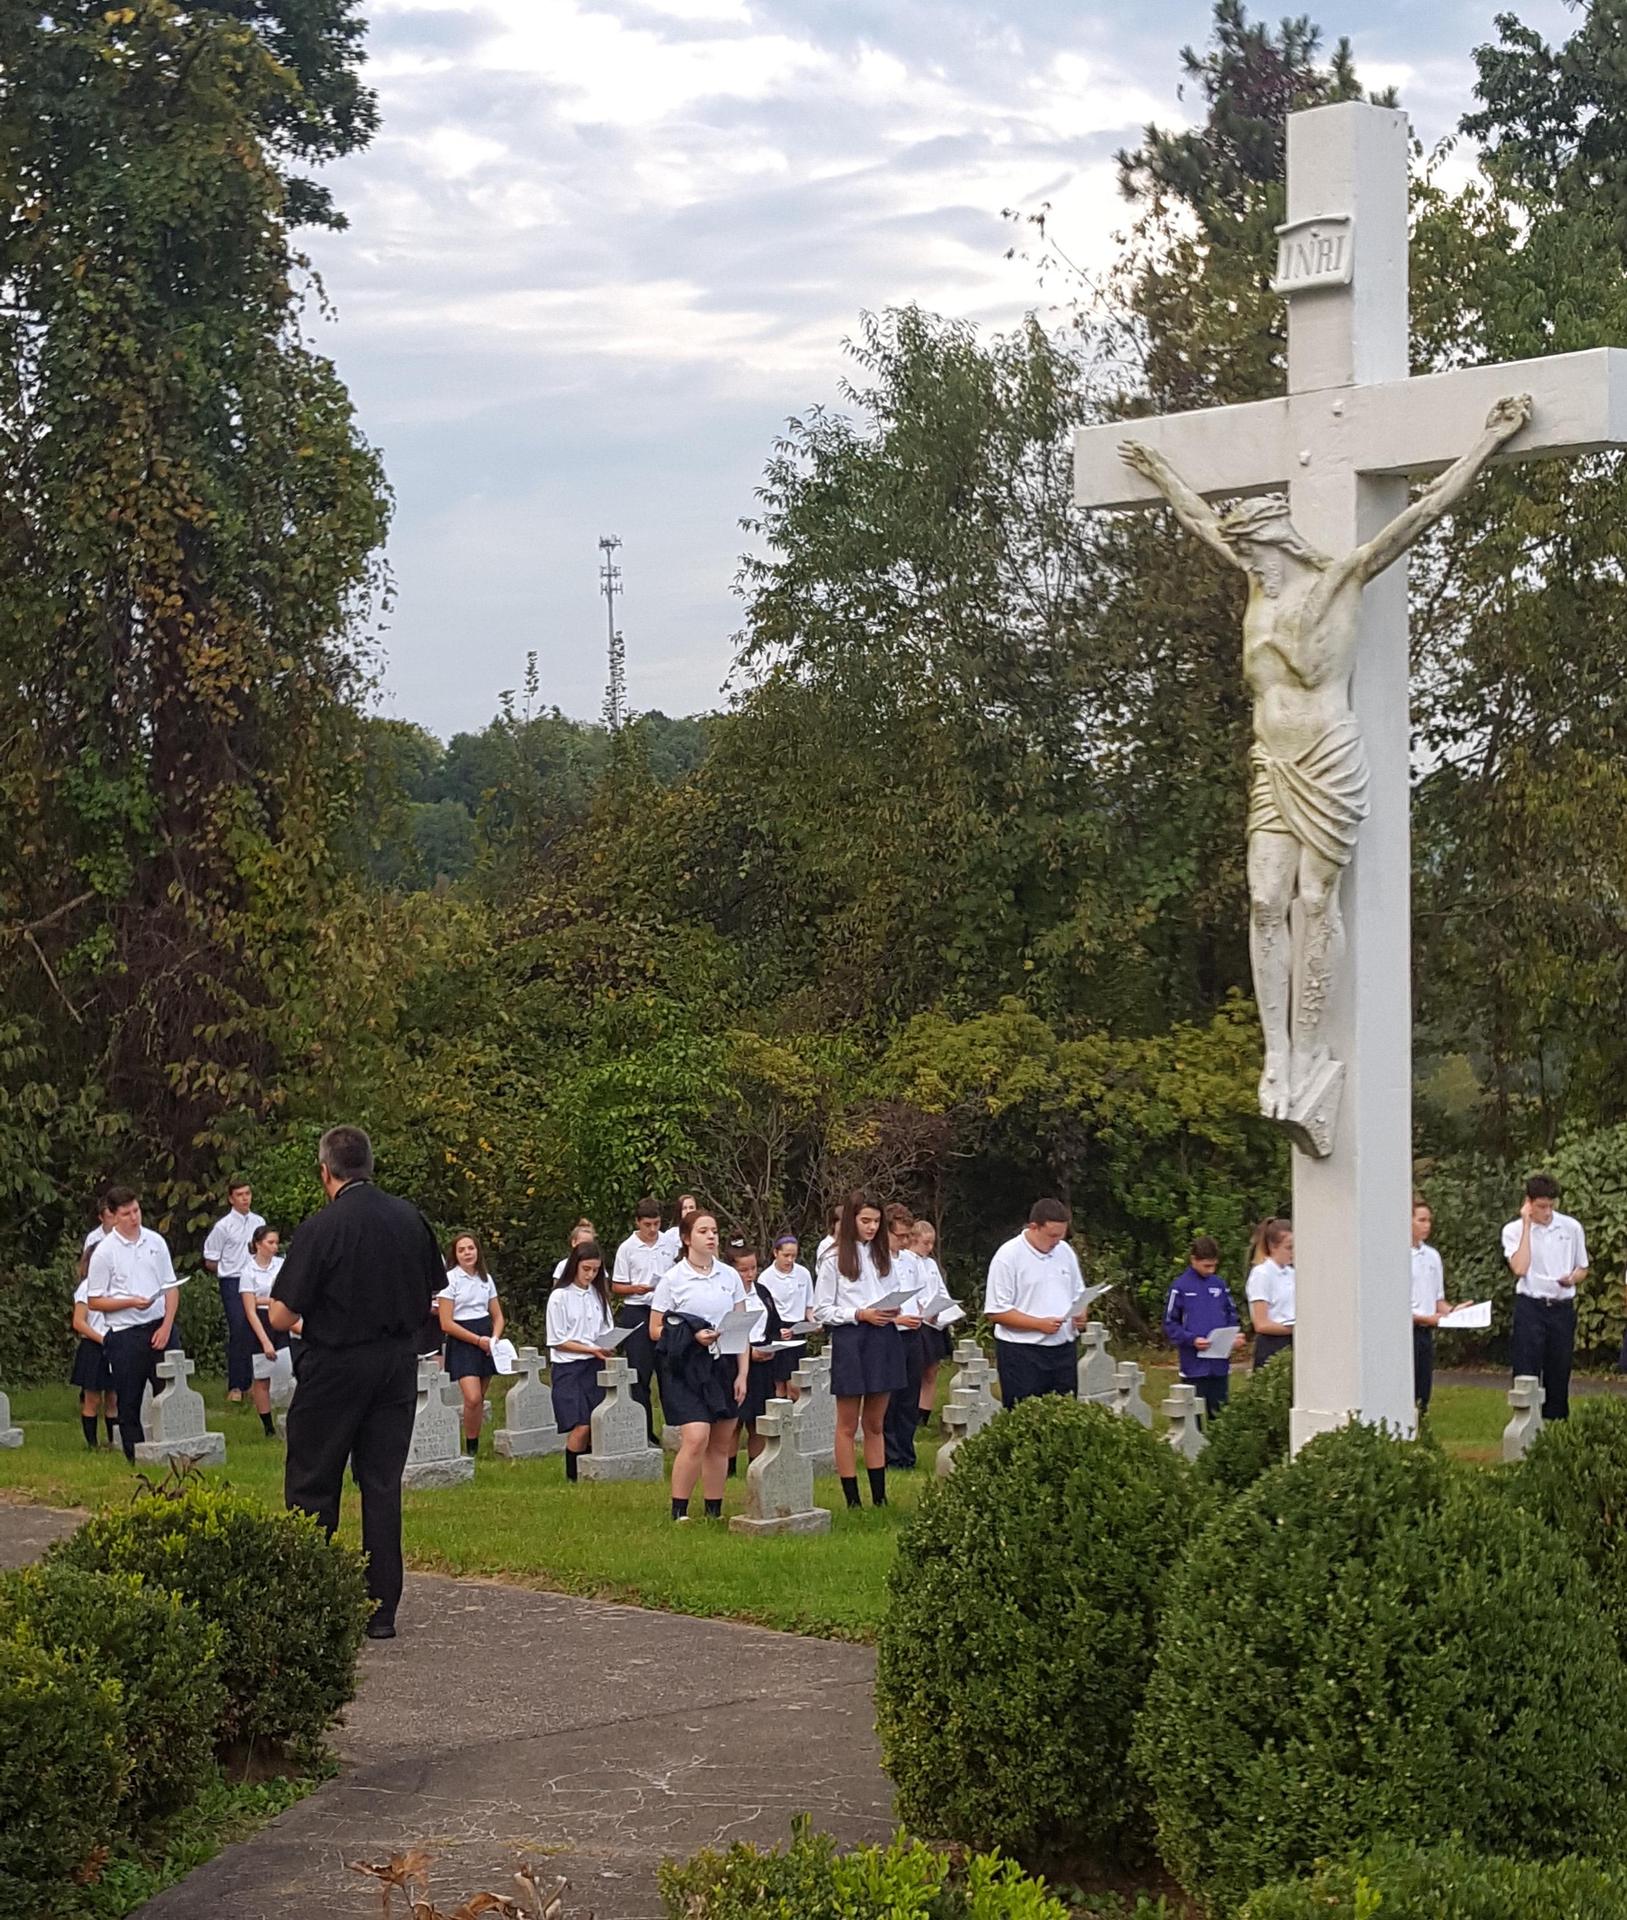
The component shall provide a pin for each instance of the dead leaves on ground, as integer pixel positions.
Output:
(409, 1873)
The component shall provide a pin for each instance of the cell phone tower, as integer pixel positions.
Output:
(615, 696)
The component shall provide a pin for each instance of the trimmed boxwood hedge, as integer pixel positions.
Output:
(1374, 1643)
(1409, 1883)
(1574, 1479)
(1023, 1613)
(290, 1605)
(1251, 1435)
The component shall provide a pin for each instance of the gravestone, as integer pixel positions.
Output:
(1127, 1401)
(1183, 1413)
(1525, 1397)
(672, 1435)
(973, 1390)
(529, 1429)
(813, 1424)
(10, 1436)
(621, 1443)
(954, 1426)
(175, 1425)
(779, 1482)
(1095, 1366)
(435, 1457)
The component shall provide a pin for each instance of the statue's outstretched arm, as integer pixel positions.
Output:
(1191, 509)
(1442, 494)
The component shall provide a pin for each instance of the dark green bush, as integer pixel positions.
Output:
(1024, 1603)
(165, 1657)
(1574, 1479)
(810, 1880)
(1252, 1434)
(36, 1337)
(62, 1769)
(290, 1605)
(1373, 1643)
(1408, 1883)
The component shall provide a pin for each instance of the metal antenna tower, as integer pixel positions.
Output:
(615, 697)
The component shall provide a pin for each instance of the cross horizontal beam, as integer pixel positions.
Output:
(1398, 427)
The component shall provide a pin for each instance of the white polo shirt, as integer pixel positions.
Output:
(1557, 1250)
(97, 1322)
(702, 1296)
(574, 1313)
(259, 1280)
(228, 1242)
(471, 1294)
(1273, 1287)
(792, 1292)
(640, 1263)
(1022, 1279)
(1428, 1280)
(670, 1241)
(838, 1300)
(138, 1269)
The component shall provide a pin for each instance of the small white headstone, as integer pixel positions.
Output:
(1095, 1366)
(621, 1441)
(813, 1424)
(10, 1436)
(175, 1426)
(1127, 1401)
(1525, 1397)
(529, 1429)
(973, 1390)
(779, 1482)
(435, 1457)
(1182, 1411)
(954, 1426)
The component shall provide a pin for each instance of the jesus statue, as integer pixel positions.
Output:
(1308, 793)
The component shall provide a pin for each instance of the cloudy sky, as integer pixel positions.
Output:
(602, 249)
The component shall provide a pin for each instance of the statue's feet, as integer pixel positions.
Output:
(1274, 1088)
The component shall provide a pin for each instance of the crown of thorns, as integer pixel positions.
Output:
(1265, 521)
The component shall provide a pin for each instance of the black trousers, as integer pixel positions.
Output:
(133, 1361)
(1268, 1345)
(355, 1404)
(1543, 1343)
(903, 1409)
(1213, 1389)
(240, 1345)
(1027, 1370)
(638, 1350)
(1423, 1366)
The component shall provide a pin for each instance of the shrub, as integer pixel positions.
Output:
(1408, 1883)
(810, 1880)
(1024, 1603)
(1373, 1643)
(1252, 1434)
(36, 1339)
(61, 1770)
(290, 1604)
(165, 1657)
(1574, 1479)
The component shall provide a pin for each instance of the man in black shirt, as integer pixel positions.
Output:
(360, 1277)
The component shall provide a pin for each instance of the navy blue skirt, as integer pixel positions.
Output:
(464, 1361)
(576, 1391)
(683, 1406)
(785, 1364)
(865, 1359)
(91, 1373)
(760, 1387)
(936, 1346)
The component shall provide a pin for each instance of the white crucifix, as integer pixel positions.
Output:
(1326, 656)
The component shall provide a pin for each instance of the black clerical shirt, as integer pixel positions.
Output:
(365, 1268)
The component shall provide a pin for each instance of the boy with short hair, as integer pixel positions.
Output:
(1200, 1304)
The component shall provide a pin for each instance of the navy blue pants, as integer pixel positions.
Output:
(1268, 1345)
(241, 1345)
(1543, 1343)
(1027, 1370)
(1423, 1366)
(1213, 1390)
(132, 1359)
(904, 1408)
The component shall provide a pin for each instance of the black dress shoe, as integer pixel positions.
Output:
(379, 1628)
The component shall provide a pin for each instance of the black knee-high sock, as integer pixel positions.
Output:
(472, 1447)
(571, 1460)
(270, 1425)
(680, 1509)
(850, 1488)
(87, 1426)
(734, 1465)
(878, 1486)
(714, 1509)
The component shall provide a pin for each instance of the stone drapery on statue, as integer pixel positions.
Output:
(1308, 767)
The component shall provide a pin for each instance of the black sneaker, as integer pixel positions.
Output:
(381, 1627)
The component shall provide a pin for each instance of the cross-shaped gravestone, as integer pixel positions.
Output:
(10, 1436)
(1525, 1423)
(1127, 1401)
(435, 1456)
(176, 1427)
(621, 1440)
(954, 1428)
(1185, 1433)
(813, 1424)
(779, 1482)
(1095, 1366)
(529, 1429)
(1330, 947)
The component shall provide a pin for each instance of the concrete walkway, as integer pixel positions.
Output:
(596, 1740)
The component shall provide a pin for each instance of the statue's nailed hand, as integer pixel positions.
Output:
(1138, 455)
(1509, 415)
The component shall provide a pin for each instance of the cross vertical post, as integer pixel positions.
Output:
(1352, 1347)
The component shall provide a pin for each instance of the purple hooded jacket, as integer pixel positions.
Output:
(1195, 1307)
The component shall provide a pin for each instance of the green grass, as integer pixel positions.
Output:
(520, 1521)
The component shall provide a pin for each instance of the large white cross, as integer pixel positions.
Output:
(1351, 433)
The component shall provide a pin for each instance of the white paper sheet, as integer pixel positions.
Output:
(612, 1337)
(894, 1302)
(734, 1330)
(1478, 1315)
(1221, 1343)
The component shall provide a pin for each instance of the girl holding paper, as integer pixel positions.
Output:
(579, 1317)
(792, 1287)
(472, 1321)
(867, 1354)
(764, 1333)
(1199, 1306)
(254, 1284)
(701, 1387)
(936, 1343)
(1271, 1289)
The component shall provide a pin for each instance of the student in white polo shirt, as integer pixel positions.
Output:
(1548, 1256)
(1271, 1288)
(1033, 1281)
(226, 1254)
(132, 1285)
(671, 1240)
(641, 1260)
(1429, 1301)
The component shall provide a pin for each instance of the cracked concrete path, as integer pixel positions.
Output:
(598, 1740)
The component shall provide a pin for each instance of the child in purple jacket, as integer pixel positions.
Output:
(1199, 1303)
